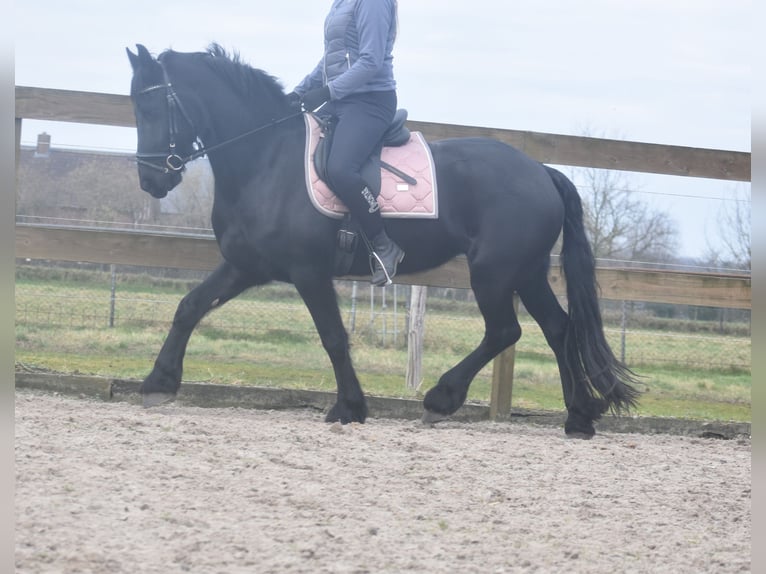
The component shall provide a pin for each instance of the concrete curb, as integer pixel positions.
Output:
(227, 396)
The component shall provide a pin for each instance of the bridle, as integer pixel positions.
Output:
(173, 161)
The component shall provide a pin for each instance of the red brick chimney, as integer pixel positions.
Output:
(43, 145)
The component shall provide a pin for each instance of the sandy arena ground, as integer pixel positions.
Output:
(113, 488)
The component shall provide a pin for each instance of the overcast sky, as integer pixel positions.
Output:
(662, 71)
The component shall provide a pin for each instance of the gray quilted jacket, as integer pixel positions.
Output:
(358, 42)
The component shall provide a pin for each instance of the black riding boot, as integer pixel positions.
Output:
(386, 256)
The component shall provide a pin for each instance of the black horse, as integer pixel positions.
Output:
(499, 207)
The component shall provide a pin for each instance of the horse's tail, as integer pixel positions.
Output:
(588, 356)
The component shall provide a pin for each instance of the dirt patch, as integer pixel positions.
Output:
(111, 487)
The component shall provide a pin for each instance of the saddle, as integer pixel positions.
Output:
(396, 135)
(399, 194)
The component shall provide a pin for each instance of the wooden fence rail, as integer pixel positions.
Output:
(116, 110)
(201, 253)
(162, 250)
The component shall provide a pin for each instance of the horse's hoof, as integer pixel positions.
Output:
(345, 413)
(157, 399)
(430, 417)
(579, 435)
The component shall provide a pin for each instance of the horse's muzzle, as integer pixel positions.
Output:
(158, 185)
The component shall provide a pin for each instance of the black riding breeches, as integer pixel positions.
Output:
(362, 119)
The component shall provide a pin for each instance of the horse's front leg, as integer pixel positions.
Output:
(319, 295)
(221, 285)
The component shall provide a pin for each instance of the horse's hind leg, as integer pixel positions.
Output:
(582, 409)
(220, 286)
(501, 330)
(319, 296)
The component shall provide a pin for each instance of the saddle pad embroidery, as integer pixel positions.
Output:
(397, 198)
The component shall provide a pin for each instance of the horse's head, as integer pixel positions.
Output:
(166, 136)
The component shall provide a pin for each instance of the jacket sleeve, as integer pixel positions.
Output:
(314, 80)
(373, 23)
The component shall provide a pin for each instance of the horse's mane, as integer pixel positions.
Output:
(242, 77)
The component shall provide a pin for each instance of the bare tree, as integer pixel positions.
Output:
(620, 225)
(733, 239)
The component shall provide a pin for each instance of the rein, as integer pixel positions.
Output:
(173, 161)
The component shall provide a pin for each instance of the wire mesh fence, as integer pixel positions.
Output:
(57, 297)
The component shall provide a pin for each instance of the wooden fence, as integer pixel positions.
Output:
(188, 252)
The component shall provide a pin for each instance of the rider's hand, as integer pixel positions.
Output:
(294, 100)
(316, 98)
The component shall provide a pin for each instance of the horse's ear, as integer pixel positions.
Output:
(133, 59)
(143, 56)
(143, 53)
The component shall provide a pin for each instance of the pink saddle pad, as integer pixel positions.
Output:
(397, 197)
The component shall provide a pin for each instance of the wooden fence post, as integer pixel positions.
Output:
(502, 378)
(415, 332)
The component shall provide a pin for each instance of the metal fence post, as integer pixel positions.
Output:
(623, 327)
(396, 325)
(112, 294)
(353, 307)
(383, 307)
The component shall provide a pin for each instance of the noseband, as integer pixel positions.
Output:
(173, 161)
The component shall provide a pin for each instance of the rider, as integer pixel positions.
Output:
(355, 79)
